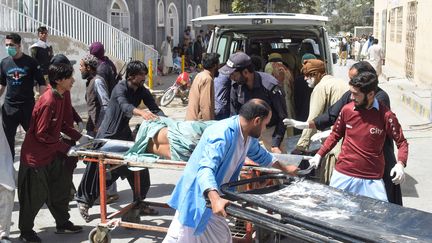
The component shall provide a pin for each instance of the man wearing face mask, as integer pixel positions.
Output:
(249, 84)
(326, 91)
(201, 96)
(18, 72)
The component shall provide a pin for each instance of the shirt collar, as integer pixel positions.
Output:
(375, 104)
(241, 133)
(56, 93)
(257, 80)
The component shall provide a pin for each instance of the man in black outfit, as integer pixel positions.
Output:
(18, 72)
(327, 119)
(41, 51)
(125, 98)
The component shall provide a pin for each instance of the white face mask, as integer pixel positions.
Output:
(311, 82)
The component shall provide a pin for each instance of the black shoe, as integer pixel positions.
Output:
(68, 228)
(30, 237)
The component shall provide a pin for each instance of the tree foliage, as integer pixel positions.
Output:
(344, 15)
(274, 6)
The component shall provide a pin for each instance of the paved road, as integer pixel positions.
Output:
(417, 190)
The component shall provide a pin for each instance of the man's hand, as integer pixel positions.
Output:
(320, 136)
(398, 173)
(315, 161)
(289, 169)
(276, 150)
(72, 152)
(147, 115)
(218, 204)
(85, 139)
(81, 126)
(297, 124)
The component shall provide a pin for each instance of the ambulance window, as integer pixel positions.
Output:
(234, 47)
(221, 48)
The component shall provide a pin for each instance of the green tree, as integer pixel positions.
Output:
(274, 6)
(344, 15)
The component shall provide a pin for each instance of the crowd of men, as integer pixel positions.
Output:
(249, 105)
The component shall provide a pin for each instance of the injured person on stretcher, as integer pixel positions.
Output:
(166, 138)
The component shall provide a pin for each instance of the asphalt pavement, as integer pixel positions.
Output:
(417, 189)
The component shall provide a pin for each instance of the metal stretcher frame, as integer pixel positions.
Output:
(398, 224)
(105, 158)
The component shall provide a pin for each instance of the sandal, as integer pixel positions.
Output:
(147, 210)
(83, 209)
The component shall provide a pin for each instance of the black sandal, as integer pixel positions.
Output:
(83, 209)
(147, 210)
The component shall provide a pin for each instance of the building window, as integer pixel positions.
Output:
(172, 23)
(376, 25)
(392, 24)
(198, 13)
(161, 13)
(189, 15)
(118, 16)
(399, 23)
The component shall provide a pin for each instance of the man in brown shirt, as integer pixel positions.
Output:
(201, 95)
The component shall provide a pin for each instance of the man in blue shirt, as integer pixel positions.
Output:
(222, 86)
(218, 159)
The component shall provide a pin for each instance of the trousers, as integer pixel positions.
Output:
(37, 186)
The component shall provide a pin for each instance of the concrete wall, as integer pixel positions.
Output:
(213, 7)
(395, 52)
(74, 50)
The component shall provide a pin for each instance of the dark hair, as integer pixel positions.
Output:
(363, 66)
(256, 61)
(365, 81)
(375, 41)
(255, 108)
(42, 29)
(250, 68)
(135, 67)
(59, 71)
(14, 37)
(209, 60)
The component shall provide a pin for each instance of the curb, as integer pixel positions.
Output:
(416, 106)
(408, 97)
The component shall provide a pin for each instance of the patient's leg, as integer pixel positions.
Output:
(159, 144)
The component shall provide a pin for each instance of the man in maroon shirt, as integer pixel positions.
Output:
(42, 173)
(364, 124)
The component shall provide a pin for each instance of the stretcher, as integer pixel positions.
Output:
(299, 210)
(108, 153)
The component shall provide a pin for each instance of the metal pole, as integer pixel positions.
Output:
(150, 73)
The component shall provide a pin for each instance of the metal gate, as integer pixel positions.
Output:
(410, 39)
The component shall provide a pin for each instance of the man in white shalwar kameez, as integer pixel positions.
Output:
(167, 57)
(7, 186)
(376, 56)
(218, 159)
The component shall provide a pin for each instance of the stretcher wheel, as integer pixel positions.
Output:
(97, 235)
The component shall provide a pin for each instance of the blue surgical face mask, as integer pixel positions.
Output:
(11, 50)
